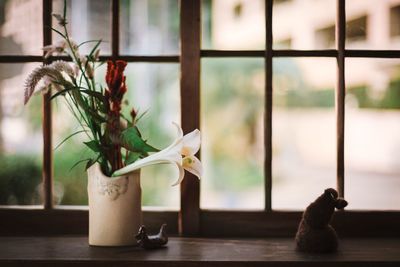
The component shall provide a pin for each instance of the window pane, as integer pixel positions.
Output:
(20, 139)
(304, 24)
(304, 133)
(70, 183)
(87, 20)
(231, 25)
(21, 27)
(153, 89)
(149, 27)
(232, 105)
(373, 24)
(372, 140)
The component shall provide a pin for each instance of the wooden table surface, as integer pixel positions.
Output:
(74, 251)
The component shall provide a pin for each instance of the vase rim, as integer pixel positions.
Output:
(96, 168)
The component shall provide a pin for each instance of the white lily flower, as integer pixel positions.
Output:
(187, 146)
(190, 146)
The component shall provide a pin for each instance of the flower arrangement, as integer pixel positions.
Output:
(115, 139)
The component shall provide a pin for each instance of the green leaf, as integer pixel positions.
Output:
(93, 145)
(132, 157)
(91, 162)
(95, 94)
(132, 141)
(68, 137)
(90, 41)
(57, 31)
(77, 163)
(65, 10)
(140, 116)
(64, 91)
(99, 64)
(82, 103)
(94, 48)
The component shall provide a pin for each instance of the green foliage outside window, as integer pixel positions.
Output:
(20, 177)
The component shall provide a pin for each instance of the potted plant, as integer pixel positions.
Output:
(116, 141)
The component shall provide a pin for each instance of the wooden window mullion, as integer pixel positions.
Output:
(340, 93)
(115, 29)
(190, 21)
(268, 106)
(47, 120)
(372, 53)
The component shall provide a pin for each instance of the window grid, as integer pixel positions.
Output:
(191, 220)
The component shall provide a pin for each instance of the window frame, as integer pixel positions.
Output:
(191, 220)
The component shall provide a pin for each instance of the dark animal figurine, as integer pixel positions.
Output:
(315, 234)
(152, 241)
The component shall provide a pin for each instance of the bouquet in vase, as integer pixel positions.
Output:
(118, 146)
(114, 138)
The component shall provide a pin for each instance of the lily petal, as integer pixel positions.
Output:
(168, 155)
(191, 143)
(177, 144)
(178, 128)
(193, 165)
(181, 175)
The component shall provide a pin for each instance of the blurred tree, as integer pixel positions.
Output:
(233, 101)
(19, 179)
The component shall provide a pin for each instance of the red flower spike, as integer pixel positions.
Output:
(121, 65)
(115, 80)
(115, 77)
(116, 84)
(110, 73)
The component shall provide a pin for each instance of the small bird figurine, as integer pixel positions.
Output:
(152, 241)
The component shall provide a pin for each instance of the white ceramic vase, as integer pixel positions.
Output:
(115, 208)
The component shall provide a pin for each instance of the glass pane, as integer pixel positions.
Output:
(373, 24)
(232, 108)
(304, 24)
(149, 27)
(153, 89)
(372, 140)
(20, 139)
(21, 27)
(304, 130)
(69, 186)
(87, 20)
(233, 25)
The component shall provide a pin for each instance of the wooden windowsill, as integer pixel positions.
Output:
(68, 251)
